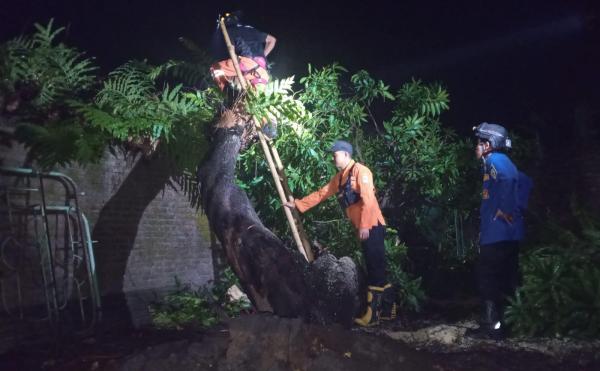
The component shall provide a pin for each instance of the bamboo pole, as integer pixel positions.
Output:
(288, 193)
(232, 55)
(282, 196)
(304, 249)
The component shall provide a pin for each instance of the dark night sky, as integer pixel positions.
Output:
(500, 60)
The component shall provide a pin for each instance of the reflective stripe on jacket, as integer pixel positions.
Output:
(253, 70)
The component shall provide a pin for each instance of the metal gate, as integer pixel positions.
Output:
(47, 267)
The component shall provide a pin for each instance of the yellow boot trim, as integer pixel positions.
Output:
(393, 313)
(366, 319)
(376, 288)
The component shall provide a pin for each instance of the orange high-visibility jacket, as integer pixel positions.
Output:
(224, 71)
(363, 214)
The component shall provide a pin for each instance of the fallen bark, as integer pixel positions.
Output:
(276, 278)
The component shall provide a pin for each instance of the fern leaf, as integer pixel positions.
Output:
(45, 35)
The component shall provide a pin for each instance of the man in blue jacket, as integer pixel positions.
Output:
(504, 198)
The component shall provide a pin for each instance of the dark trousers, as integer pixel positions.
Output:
(498, 271)
(374, 253)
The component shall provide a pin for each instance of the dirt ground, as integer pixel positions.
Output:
(265, 342)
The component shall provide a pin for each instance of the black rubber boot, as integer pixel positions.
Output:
(495, 329)
(371, 317)
(490, 326)
(388, 303)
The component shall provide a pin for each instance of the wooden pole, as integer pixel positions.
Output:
(282, 196)
(304, 249)
(288, 193)
(232, 55)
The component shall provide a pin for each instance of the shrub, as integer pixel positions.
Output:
(219, 294)
(201, 308)
(410, 293)
(560, 295)
(183, 308)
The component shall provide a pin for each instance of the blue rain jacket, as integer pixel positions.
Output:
(524, 186)
(500, 192)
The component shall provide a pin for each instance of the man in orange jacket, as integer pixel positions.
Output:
(353, 185)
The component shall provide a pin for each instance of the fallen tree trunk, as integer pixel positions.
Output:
(276, 278)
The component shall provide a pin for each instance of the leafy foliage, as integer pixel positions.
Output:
(131, 105)
(183, 308)
(424, 174)
(368, 89)
(302, 144)
(58, 72)
(219, 294)
(337, 111)
(39, 78)
(303, 147)
(274, 103)
(138, 104)
(410, 293)
(417, 153)
(560, 295)
(60, 143)
(427, 177)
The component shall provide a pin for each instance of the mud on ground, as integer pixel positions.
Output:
(265, 342)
